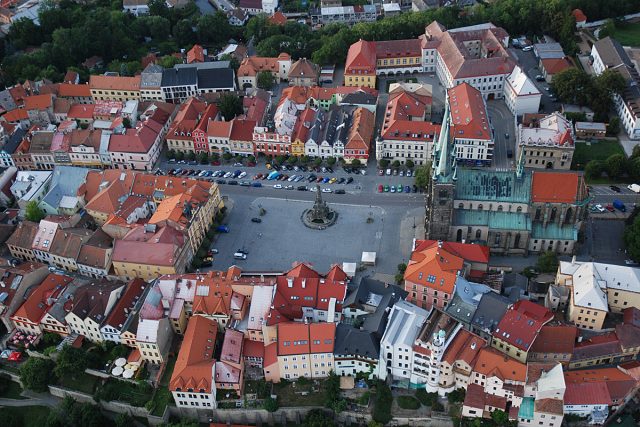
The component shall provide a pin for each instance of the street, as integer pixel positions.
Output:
(604, 195)
(503, 124)
(205, 7)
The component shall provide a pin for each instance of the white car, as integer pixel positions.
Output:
(278, 186)
(327, 190)
(242, 175)
(527, 48)
(313, 189)
(228, 174)
(202, 173)
(599, 208)
(292, 177)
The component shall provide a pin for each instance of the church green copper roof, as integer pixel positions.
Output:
(492, 219)
(496, 186)
(554, 232)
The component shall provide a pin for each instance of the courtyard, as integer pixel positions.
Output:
(281, 238)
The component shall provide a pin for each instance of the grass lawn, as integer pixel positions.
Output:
(259, 387)
(288, 395)
(125, 391)
(596, 151)
(629, 35)
(13, 391)
(84, 383)
(408, 402)
(163, 396)
(32, 416)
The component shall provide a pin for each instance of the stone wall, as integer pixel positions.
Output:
(62, 392)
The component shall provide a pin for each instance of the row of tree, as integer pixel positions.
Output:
(616, 166)
(575, 86)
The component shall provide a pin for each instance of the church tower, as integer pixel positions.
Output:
(440, 192)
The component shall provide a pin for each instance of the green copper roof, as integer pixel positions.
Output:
(497, 186)
(554, 232)
(526, 408)
(494, 220)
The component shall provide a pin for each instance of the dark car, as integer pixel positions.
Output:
(349, 180)
(347, 170)
(341, 181)
(256, 184)
(256, 220)
(232, 182)
(339, 191)
(329, 170)
(311, 178)
(415, 188)
(407, 189)
(302, 188)
(221, 181)
(615, 188)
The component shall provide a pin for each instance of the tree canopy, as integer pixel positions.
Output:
(36, 374)
(632, 239)
(230, 106)
(33, 212)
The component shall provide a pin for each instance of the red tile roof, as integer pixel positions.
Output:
(41, 298)
(491, 362)
(242, 130)
(555, 65)
(252, 65)
(270, 354)
(467, 251)
(194, 365)
(195, 54)
(398, 48)
(114, 83)
(253, 349)
(521, 324)
(278, 18)
(599, 345)
(555, 339)
(16, 115)
(557, 187)
(579, 15)
(434, 268)
(468, 113)
(587, 394)
(302, 338)
(124, 307)
(361, 57)
(465, 346)
(67, 90)
(232, 346)
(81, 111)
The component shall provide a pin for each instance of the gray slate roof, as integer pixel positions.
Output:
(367, 288)
(350, 340)
(490, 311)
(180, 77)
(65, 182)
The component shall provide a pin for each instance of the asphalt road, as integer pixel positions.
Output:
(205, 7)
(529, 63)
(503, 123)
(602, 194)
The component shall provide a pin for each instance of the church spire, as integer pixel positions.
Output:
(444, 165)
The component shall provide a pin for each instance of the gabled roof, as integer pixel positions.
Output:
(66, 90)
(38, 102)
(114, 83)
(491, 362)
(555, 339)
(42, 297)
(465, 346)
(195, 363)
(556, 65)
(92, 300)
(469, 252)
(468, 113)
(302, 338)
(252, 65)
(242, 130)
(278, 18)
(361, 56)
(126, 304)
(353, 341)
(434, 268)
(597, 346)
(303, 68)
(195, 54)
(521, 324)
(557, 187)
(232, 346)
(587, 394)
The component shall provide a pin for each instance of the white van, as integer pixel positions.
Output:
(240, 255)
(634, 187)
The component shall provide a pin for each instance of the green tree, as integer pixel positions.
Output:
(251, 158)
(317, 161)
(382, 406)
(594, 169)
(183, 33)
(71, 362)
(607, 29)
(613, 128)
(233, 61)
(356, 163)
(179, 155)
(230, 106)
(409, 164)
(213, 29)
(547, 262)
(632, 239)
(124, 420)
(633, 168)
(265, 80)
(456, 395)
(126, 122)
(615, 165)
(191, 156)
(171, 154)
(331, 161)
(573, 85)
(422, 176)
(203, 158)
(333, 398)
(270, 404)
(33, 212)
(168, 61)
(317, 418)
(384, 163)
(158, 8)
(36, 374)
(227, 156)
(396, 164)
(500, 417)
(11, 418)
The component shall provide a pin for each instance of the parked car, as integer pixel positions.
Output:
(333, 180)
(340, 191)
(240, 255)
(599, 208)
(610, 208)
(327, 179)
(401, 173)
(302, 188)
(527, 48)
(392, 189)
(256, 220)
(222, 229)
(380, 188)
(634, 187)
(278, 186)
(409, 173)
(245, 184)
(212, 252)
(386, 188)
(221, 181)
(233, 182)
(619, 205)
(349, 180)
(414, 188)
(615, 188)
(380, 172)
(242, 175)
(313, 189)
(407, 189)
(289, 187)
(319, 179)
(228, 174)
(540, 78)
(342, 180)
(395, 172)
(399, 188)
(257, 184)
(327, 190)
(388, 172)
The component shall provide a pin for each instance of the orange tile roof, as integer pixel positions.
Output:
(555, 339)
(38, 102)
(170, 209)
(435, 268)
(81, 111)
(556, 65)
(468, 251)
(301, 338)
(39, 300)
(361, 132)
(114, 83)
(491, 362)
(220, 129)
(557, 187)
(148, 184)
(195, 54)
(252, 65)
(361, 57)
(16, 115)
(270, 354)
(67, 90)
(194, 365)
(521, 324)
(465, 346)
(303, 68)
(278, 18)
(253, 348)
(468, 113)
(124, 307)
(579, 15)
(216, 300)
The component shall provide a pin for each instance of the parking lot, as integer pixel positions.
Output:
(281, 238)
(604, 195)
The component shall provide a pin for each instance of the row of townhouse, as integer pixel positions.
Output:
(344, 131)
(107, 144)
(149, 225)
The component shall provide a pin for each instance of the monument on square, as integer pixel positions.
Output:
(320, 216)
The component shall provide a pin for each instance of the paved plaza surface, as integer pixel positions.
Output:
(281, 238)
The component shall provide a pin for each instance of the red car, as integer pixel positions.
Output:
(610, 208)
(380, 188)
(319, 179)
(215, 163)
(251, 164)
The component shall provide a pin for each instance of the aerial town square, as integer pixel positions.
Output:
(319, 213)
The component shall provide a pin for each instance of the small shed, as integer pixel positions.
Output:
(368, 258)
